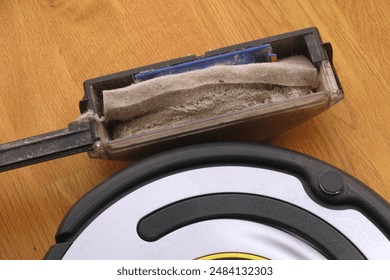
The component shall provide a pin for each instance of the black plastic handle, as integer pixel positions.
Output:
(77, 138)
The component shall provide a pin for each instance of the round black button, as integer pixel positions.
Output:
(331, 182)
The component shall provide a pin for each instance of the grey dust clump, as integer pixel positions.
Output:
(179, 99)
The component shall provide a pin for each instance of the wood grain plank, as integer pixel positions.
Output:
(48, 48)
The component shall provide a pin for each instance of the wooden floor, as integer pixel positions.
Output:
(48, 48)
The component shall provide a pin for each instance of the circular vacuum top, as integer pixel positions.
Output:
(227, 201)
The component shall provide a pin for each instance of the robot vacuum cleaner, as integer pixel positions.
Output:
(227, 201)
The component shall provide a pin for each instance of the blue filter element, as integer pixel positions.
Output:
(255, 54)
